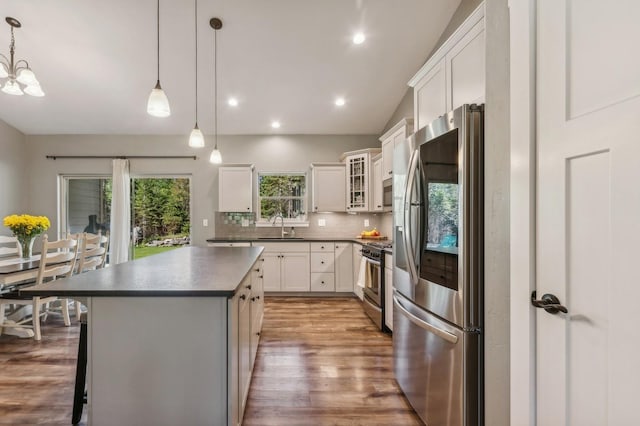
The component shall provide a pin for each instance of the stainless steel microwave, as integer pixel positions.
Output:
(387, 194)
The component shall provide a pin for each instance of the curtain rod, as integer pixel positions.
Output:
(122, 157)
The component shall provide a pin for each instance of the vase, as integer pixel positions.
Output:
(26, 243)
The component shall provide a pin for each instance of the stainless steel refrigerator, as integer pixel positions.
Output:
(438, 268)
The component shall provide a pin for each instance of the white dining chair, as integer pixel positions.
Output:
(55, 264)
(9, 247)
(92, 255)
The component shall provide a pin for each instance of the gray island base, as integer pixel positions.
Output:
(172, 338)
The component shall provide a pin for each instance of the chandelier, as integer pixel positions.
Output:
(17, 72)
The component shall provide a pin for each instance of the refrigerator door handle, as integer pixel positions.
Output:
(451, 338)
(408, 205)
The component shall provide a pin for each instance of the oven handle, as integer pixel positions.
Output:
(451, 338)
(375, 262)
(408, 205)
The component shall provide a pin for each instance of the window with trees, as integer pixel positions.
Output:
(284, 194)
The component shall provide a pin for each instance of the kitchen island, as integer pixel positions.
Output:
(172, 337)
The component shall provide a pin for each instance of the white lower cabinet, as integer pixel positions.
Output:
(357, 259)
(244, 349)
(246, 312)
(295, 272)
(286, 266)
(388, 290)
(322, 281)
(343, 267)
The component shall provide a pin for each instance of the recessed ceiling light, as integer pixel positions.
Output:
(358, 38)
(232, 102)
(339, 101)
(275, 124)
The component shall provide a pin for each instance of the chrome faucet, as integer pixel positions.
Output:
(275, 219)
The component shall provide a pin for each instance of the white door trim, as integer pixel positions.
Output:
(522, 211)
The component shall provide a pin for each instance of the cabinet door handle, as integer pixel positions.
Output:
(253, 299)
(248, 208)
(257, 270)
(261, 276)
(322, 262)
(379, 206)
(322, 282)
(258, 297)
(249, 287)
(243, 297)
(322, 247)
(258, 333)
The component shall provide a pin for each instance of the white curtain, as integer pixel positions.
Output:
(120, 212)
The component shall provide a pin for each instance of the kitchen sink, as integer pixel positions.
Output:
(281, 238)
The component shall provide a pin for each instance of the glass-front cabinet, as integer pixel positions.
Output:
(358, 179)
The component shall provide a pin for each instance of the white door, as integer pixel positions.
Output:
(588, 212)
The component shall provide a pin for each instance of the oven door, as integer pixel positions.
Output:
(372, 282)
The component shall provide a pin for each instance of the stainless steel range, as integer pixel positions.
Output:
(373, 301)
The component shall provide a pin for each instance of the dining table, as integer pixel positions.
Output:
(16, 273)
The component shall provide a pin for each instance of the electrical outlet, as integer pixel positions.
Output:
(366, 222)
(322, 222)
(205, 222)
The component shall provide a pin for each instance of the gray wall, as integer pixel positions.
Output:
(405, 107)
(13, 198)
(277, 153)
(497, 171)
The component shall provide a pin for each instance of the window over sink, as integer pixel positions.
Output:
(282, 194)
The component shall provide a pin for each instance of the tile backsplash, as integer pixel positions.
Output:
(336, 225)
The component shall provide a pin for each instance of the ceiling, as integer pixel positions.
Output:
(284, 60)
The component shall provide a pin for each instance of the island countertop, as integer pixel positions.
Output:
(187, 271)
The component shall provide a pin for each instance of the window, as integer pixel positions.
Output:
(282, 193)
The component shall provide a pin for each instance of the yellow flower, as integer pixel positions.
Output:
(26, 225)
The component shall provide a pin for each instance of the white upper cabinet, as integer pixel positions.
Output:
(455, 73)
(235, 188)
(465, 62)
(358, 178)
(430, 95)
(328, 187)
(376, 185)
(392, 138)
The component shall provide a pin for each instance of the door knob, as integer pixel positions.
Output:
(549, 303)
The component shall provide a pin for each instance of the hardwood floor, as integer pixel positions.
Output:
(37, 378)
(320, 362)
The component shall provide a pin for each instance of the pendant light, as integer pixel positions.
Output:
(18, 72)
(196, 139)
(215, 157)
(158, 103)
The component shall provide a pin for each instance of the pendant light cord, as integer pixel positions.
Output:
(196, 26)
(215, 87)
(158, 36)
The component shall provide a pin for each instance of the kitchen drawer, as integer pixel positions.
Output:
(322, 262)
(322, 247)
(282, 247)
(322, 282)
(230, 244)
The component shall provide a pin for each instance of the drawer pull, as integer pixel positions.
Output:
(261, 276)
(249, 287)
(243, 297)
(322, 262)
(322, 282)
(253, 299)
(258, 297)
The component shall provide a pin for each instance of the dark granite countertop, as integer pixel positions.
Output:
(288, 240)
(187, 271)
